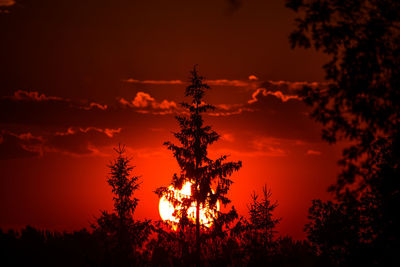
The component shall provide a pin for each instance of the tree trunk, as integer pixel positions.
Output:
(197, 232)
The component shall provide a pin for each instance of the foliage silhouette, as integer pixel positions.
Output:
(359, 103)
(33, 247)
(99, 248)
(256, 235)
(123, 236)
(196, 167)
(261, 217)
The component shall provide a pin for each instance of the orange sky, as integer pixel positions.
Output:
(78, 77)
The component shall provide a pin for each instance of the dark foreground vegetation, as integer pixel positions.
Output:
(33, 247)
(248, 243)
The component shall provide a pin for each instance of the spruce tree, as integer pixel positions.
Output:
(209, 178)
(261, 218)
(119, 231)
(123, 185)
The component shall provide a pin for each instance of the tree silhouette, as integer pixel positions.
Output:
(123, 186)
(360, 103)
(121, 233)
(256, 235)
(203, 173)
(334, 230)
(262, 221)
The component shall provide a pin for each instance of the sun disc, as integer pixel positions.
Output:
(166, 208)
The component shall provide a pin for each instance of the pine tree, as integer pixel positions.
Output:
(209, 178)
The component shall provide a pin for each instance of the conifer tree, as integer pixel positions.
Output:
(121, 233)
(261, 218)
(209, 178)
(123, 186)
(256, 235)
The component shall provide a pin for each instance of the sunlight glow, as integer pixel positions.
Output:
(167, 209)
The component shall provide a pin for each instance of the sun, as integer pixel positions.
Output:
(167, 209)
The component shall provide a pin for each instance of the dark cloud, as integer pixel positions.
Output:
(32, 108)
(271, 114)
(19, 146)
(74, 141)
(288, 87)
(35, 109)
(80, 127)
(77, 141)
(282, 116)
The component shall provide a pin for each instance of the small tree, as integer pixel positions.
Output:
(123, 186)
(203, 173)
(261, 217)
(256, 235)
(122, 234)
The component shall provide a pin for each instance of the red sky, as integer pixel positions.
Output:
(79, 77)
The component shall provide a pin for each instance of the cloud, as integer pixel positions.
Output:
(217, 82)
(74, 141)
(256, 144)
(253, 78)
(155, 82)
(109, 132)
(228, 137)
(271, 152)
(19, 145)
(142, 100)
(145, 103)
(94, 105)
(269, 113)
(277, 94)
(311, 152)
(228, 110)
(33, 96)
(7, 3)
(282, 90)
(225, 82)
(149, 152)
(270, 146)
(48, 117)
(288, 87)
(81, 141)
(31, 108)
(260, 93)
